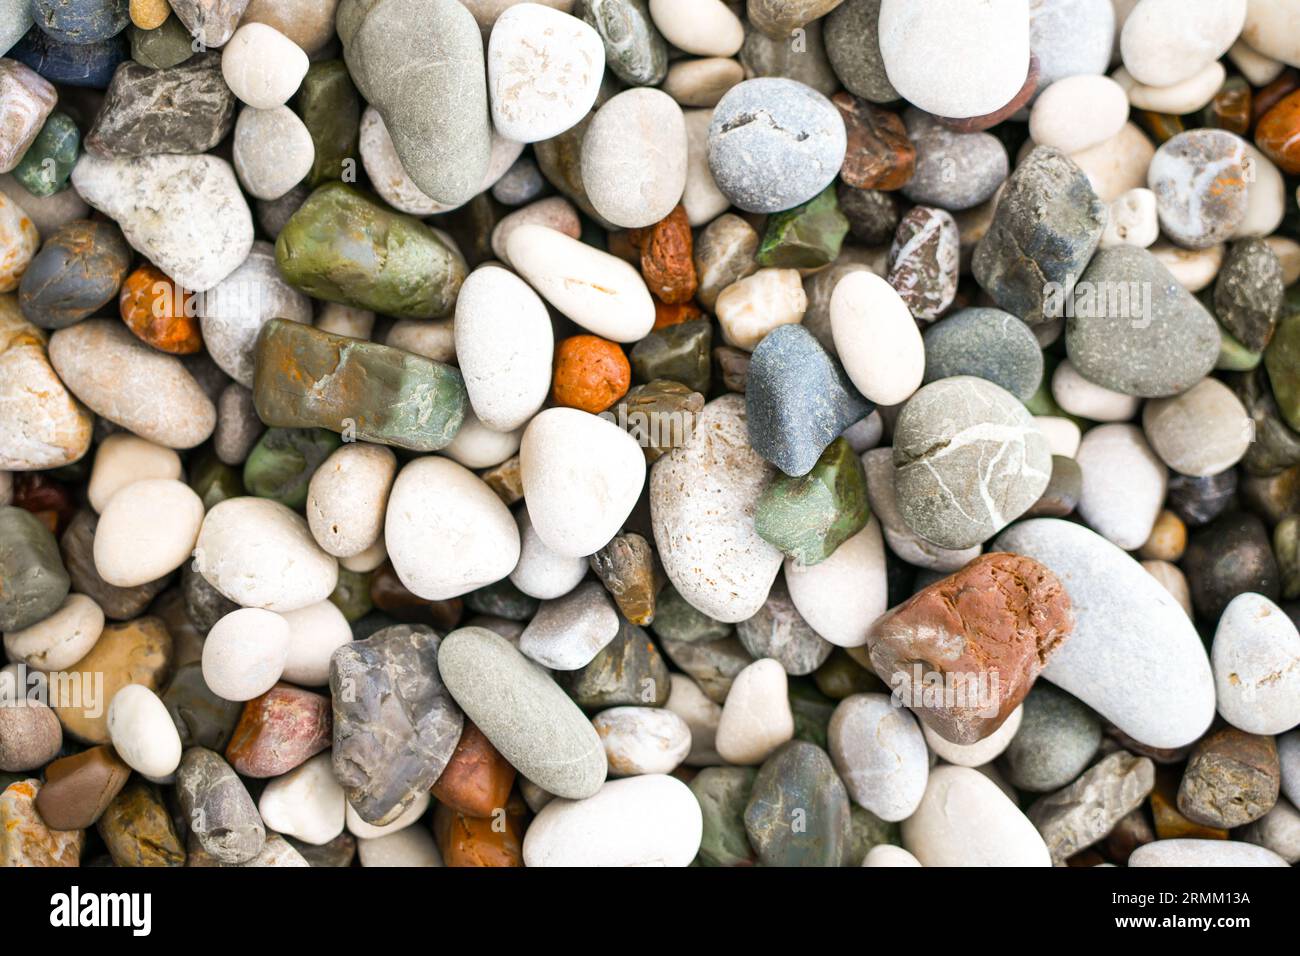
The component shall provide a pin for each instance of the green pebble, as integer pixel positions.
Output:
(723, 793)
(330, 108)
(798, 811)
(808, 517)
(33, 581)
(352, 594)
(342, 245)
(1282, 359)
(678, 352)
(162, 47)
(1235, 357)
(282, 462)
(812, 711)
(366, 391)
(1286, 545)
(677, 620)
(214, 481)
(48, 162)
(805, 237)
(841, 676)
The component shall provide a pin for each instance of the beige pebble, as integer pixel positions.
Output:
(1118, 164)
(756, 717)
(60, 640)
(1172, 580)
(702, 82)
(147, 530)
(19, 241)
(123, 458)
(752, 307)
(433, 339)
(1195, 269)
(149, 14)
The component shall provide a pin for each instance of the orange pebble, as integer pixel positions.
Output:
(591, 373)
(666, 314)
(667, 262)
(1278, 134)
(155, 310)
(480, 841)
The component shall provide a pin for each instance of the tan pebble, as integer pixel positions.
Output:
(1168, 539)
(149, 14)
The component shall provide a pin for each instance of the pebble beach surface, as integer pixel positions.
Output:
(585, 433)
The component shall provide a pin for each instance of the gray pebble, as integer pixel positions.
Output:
(779, 631)
(853, 47)
(987, 343)
(954, 171)
(218, 808)
(1058, 737)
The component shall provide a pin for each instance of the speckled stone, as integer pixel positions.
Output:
(1201, 184)
(779, 631)
(1248, 292)
(872, 213)
(1231, 555)
(635, 51)
(798, 784)
(954, 171)
(924, 261)
(1086, 811)
(395, 723)
(1047, 225)
(678, 352)
(986, 343)
(853, 47)
(184, 109)
(138, 829)
(1232, 778)
(1058, 737)
(626, 567)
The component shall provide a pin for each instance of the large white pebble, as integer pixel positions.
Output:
(876, 338)
(1078, 112)
(262, 66)
(841, 597)
(1167, 41)
(57, 642)
(315, 632)
(244, 653)
(1124, 484)
(582, 475)
(1256, 660)
(982, 751)
(880, 754)
(347, 497)
(1272, 28)
(650, 820)
(543, 72)
(541, 572)
(446, 531)
(1186, 97)
(306, 803)
(600, 292)
(123, 458)
(147, 530)
(965, 820)
(634, 157)
(504, 347)
(260, 554)
(641, 740)
(142, 731)
(756, 717)
(956, 62)
(702, 501)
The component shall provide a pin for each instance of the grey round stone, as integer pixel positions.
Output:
(1057, 739)
(954, 171)
(968, 460)
(522, 182)
(774, 143)
(987, 343)
(779, 631)
(804, 61)
(853, 46)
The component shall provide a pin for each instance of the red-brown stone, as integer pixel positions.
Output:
(477, 779)
(879, 155)
(280, 730)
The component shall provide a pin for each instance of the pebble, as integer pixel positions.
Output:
(568, 632)
(1057, 738)
(1083, 398)
(431, 500)
(30, 735)
(25, 839)
(1117, 165)
(986, 343)
(186, 108)
(138, 829)
(965, 820)
(77, 271)
(273, 151)
(1200, 433)
(924, 261)
(954, 171)
(724, 254)
(541, 572)
(279, 466)
(1187, 96)
(306, 803)
(1254, 656)
(1278, 830)
(1169, 853)
(60, 639)
(77, 550)
(410, 847)
(1077, 112)
(278, 567)
(1158, 691)
(886, 854)
(753, 306)
(778, 631)
(1121, 509)
(1073, 37)
(33, 582)
(308, 23)
(763, 166)
(523, 712)
(628, 671)
(798, 785)
(841, 596)
(981, 753)
(880, 754)
(649, 820)
(278, 731)
(154, 309)
(634, 158)
(348, 496)
(29, 99)
(1200, 178)
(1078, 816)
(956, 66)
(852, 40)
(544, 70)
(642, 740)
(477, 780)
(1230, 556)
(1232, 779)
(722, 793)
(147, 530)
(45, 167)
(19, 240)
(244, 653)
(1164, 42)
(808, 518)
(1132, 220)
(78, 789)
(756, 718)
(635, 51)
(220, 812)
(1248, 293)
(879, 154)
(701, 27)
(143, 733)
(201, 717)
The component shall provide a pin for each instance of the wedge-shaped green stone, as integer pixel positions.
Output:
(344, 246)
(805, 237)
(807, 518)
(307, 378)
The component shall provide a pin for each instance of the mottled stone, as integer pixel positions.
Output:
(924, 262)
(28, 100)
(77, 550)
(1200, 178)
(218, 808)
(1198, 501)
(626, 568)
(723, 794)
(477, 780)
(79, 269)
(281, 464)
(33, 582)
(1083, 813)
(138, 830)
(635, 51)
(778, 631)
(880, 155)
(1232, 778)
(47, 164)
(386, 755)
(184, 109)
(330, 108)
(806, 236)
(677, 352)
(1248, 293)
(798, 782)
(807, 518)
(628, 671)
(1281, 359)
(25, 839)
(162, 47)
(853, 46)
(210, 22)
(278, 731)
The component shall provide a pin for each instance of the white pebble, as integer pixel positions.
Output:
(123, 458)
(142, 732)
(347, 497)
(147, 531)
(756, 717)
(876, 338)
(315, 632)
(245, 652)
(306, 803)
(262, 66)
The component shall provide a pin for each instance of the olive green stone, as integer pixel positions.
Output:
(812, 711)
(1233, 356)
(678, 620)
(163, 47)
(678, 352)
(368, 392)
(352, 594)
(711, 664)
(841, 676)
(1282, 359)
(48, 162)
(660, 415)
(865, 831)
(808, 517)
(33, 581)
(1275, 447)
(282, 462)
(1286, 545)
(502, 599)
(798, 812)
(805, 237)
(344, 246)
(137, 829)
(214, 481)
(723, 793)
(629, 672)
(201, 717)
(330, 108)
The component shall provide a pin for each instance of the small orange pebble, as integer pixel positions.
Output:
(667, 262)
(1278, 134)
(591, 373)
(666, 314)
(156, 311)
(494, 841)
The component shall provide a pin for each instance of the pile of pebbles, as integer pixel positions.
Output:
(612, 432)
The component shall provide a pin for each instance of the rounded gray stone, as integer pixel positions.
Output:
(779, 631)
(853, 46)
(954, 171)
(987, 343)
(1058, 736)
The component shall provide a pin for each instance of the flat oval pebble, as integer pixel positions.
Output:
(756, 717)
(244, 653)
(122, 459)
(965, 820)
(60, 640)
(147, 530)
(841, 597)
(142, 731)
(1164, 42)
(876, 338)
(1124, 484)
(634, 158)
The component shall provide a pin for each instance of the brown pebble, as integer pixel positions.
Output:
(480, 841)
(138, 830)
(666, 257)
(1232, 778)
(880, 155)
(280, 730)
(477, 779)
(78, 789)
(1168, 539)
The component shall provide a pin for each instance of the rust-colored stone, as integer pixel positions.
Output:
(1267, 97)
(155, 309)
(963, 652)
(1231, 107)
(1278, 134)
(666, 315)
(390, 595)
(25, 839)
(880, 155)
(977, 124)
(280, 730)
(135, 652)
(591, 373)
(667, 257)
(477, 779)
(497, 840)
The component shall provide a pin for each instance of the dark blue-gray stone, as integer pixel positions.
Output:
(987, 343)
(79, 22)
(798, 810)
(33, 582)
(89, 65)
(1046, 228)
(79, 268)
(798, 399)
(182, 109)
